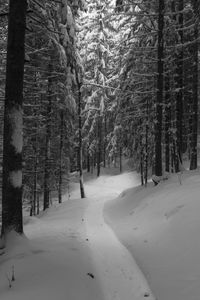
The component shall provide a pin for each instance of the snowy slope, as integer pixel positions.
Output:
(70, 253)
(160, 226)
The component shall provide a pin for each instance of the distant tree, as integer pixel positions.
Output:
(96, 53)
(195, 86)
(80, 139)
(51, 47)
(160, 89)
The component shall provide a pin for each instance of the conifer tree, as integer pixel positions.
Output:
(13, 120)
(195, 89)
(159, 98)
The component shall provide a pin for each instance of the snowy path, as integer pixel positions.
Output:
(73, 254)
(120, 277)
(118, 274)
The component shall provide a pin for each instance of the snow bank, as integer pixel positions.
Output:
(160, 227)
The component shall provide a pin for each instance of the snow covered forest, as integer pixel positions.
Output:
(99, 149)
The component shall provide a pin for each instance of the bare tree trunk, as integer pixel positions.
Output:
(35, 148)
(13, 120)
(38, 203)
(142, 168)
(99, 146)
(146, 143)
(167, 124)
(88, 161)
(92, 163)
(47, 142)
(193, 161)
(179, 91)
(60, 157)
(105, 139)
(34, 186)
(159, 100)
(80, 149)
(120, 158)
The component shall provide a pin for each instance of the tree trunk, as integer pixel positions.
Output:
(47, 142)
(13, 120)
(159, 98)
(179, 91)
(167, 123)
(80, 150)
(142, 168)
(35, 148)
(99, 146)
(105, 139)
(88, 161)
(146, 142)
(60, 156)
(34, 186)
(120, 158)
(193, 161)
(92, 163)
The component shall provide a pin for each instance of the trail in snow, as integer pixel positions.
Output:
(116, 270)
(72, 254)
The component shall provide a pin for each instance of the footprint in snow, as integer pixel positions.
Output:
(91, 275)
(146, 295)
(173, 211)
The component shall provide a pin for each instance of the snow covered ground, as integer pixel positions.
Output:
(70, 253)
(160, 226)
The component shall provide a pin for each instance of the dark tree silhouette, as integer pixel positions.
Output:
(12, 151)
(159, 99)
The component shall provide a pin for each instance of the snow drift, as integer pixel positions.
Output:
(160, 226)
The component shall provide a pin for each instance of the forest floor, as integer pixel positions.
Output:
(70, 251)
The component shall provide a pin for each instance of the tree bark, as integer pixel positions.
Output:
(105, 139)
(88, 160)
(34, 185)
(146, 143)
(80, 149)
(60, 157)
(99, 146)
(159, 98)
(193, 161)
(13, 120)
(47, 142)
(167, 123)
(120, 158)
(179, 91)
(35, 148)
(142, 168)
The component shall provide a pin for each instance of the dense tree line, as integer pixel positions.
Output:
(40, 103)
(149, 82)
(88, 83)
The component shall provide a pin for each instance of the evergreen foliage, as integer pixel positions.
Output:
(102, 80)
